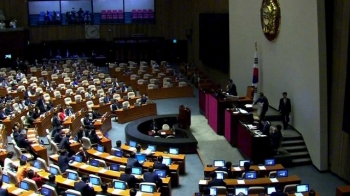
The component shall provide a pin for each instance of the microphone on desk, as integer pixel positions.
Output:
(42, 142)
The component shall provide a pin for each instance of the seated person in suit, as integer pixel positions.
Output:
(37, 179)
(124, 88)
(29, 119)
(227, 169)
(103, 84)
(75, 83)
(275, 137)
(214, 181)
(133, 192)
(59, 136)
(104, 188)
(81, 133)
(45, 82)
(8, 98)
(63, 160)
(149, 176)
(3, 116)
(65, 144)
(132, 161)
(143, 99)
(138, 149)
(128, 177)
(84, 155)
(40, 103)
(247, 166)
(52, 182)
(94, 139)
(8, 109)
(9, 164)
(95, 114)
(84, 187)
(89, 94)
(107, 98)
(160, 165)
(23, 142)
(3, 191)
(115, 105)
(27, 101)
(154, 127)
(312, 193)
(279, 191)
(36, 113)
(118, 145)
(115, 83)
(89, 124)
(69, 110)
(21, 104)
(61, 115)
(56, 122)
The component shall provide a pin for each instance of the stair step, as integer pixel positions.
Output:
(302, 160)
(288, 138)
(299, 153)
(290, 142)
(291, 148)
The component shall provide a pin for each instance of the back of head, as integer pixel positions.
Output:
(133, 192)
(228, 165)
(213, 175)
(10, 155)
(246, 166)
(279, 127)
(119, 143)
(104, 187)
(30, 174)
(84, 178)
(22, 162)
(138, 148)
(160, 159)
(128, 170)
(132, 155)
(52, 178)
(312, 193)
(150, 169)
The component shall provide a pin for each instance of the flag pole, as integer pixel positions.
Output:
(255, 73)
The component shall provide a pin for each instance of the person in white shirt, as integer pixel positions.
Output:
(19, 76)
(8, 163)
(2, 25)
(13, 23)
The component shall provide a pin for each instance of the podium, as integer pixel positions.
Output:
(184, 118)
(232, 119)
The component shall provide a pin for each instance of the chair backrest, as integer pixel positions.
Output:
(61, 86)
(56, 167)
(32, 184)
(97, 81)
(69, 92)
(256, 190)
(250, 92)
(67, 100)
(73, 192)
(116, 96)
(101, 75)
(66, 80)
(290, 188)
(131, 95)
(54, 76)
(108, 80)
(90, 104)
(47, 97)
(165, 127)
(77, 98)
(13, 177)
(15, 107)
(273, 174)
(100, 92)
(220, 190)
(85, 83)
(140, 81)
(54, 147)
(43, 164)
(101, 100)
(57, 94)
(102, 163)
(86, 142)
(92, 87)
(52, 189)
(150, 86)
(181, 84)
(17, 151)
(126, 104)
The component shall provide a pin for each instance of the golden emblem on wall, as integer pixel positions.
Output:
(270, 18)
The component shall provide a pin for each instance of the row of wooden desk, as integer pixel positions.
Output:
(266, 171)
(137, 112)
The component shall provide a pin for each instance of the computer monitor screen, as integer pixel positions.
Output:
(94, 180)
(136, 170)
(141, 158)
(45, 191)
(24, 158)
(72, 176)
(241, 190)
(68, 194)
(301, 188)
(212, 191)
(5, 178)
(160, 173)
(8, 56)
(282, 173)
(114, 167)
(119, 185)
(118, 153)
(270, 162)
(220, 175)
(100, 148)
(152, 148)
(78, 158)
(241, 162)
(24, 185)
(166, 161)
(250, 175)
(146, 188)
(132, 144)
(173, 151)
(219, 163)
(37, 164)
(53, 170)
(94, 162)
(271, 190)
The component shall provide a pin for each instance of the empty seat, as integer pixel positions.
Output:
(32, 184)
(77, 98)
(126, 104)
(165, 127)
(131, 95)
(67, 100)
(73, 192)
(256, 190)
(117, 97)
(89, 105)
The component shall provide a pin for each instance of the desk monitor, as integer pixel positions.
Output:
(132, 144)
(94, 180)
(5, 178)
(270, 162)
(271, 190)
(114, 167)
(24, 185)
(69, 194)
(302, 188)
(152, 148)
(118, 153)
(213, 191)
(72, 176)
(53, 170)
(100, 148)
(220, 175)
(241, 162)
(8, 56)
(173, 151)
(119, 185)
(166, 160)
(78, 158)
(94, 162)
(24, 158)
(219, 163)
(136, 170)
(250, 175)
(141, 158)
(160, 173)
(146, 188)
(45, 191)
(37, 164)
(282, 173)
(243, 190)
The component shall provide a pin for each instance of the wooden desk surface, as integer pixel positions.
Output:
(171, 92)
(254, 167)
(134, 113)
(10, 122)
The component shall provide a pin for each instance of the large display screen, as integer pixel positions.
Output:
(70, 12)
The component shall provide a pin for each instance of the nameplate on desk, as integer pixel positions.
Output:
(202, 182)
(68, 181)
(5, 186)
(298, 194)
(33, 194)
(84, 166)
(117, 191)
(240, 182)
(17, 191)
(132, 149)
(274, 179)
(237, 168)
(109, 157)
(102, 171)
(262, 167)
(97, 153)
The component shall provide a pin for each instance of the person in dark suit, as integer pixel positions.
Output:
(227, 169)
(83, 153)
(56, 123)
(3, 116)
(27, 101)
(58, 137)
(8, 109)
(133, 192)
(89, 124)
(3, 192)
(8, 97)
(84, 187)
(52, 182)
(154, 127)
(262, 99)
(276, 137)
(95, 114)
(231, 88)
(247, 166)
(69, 111)
(40, 103)
(45, 82)
(132, 161)
(23, 142)
(214, 181)
(160, 165)
(36, 113)
(312, 193)
(128, 177)
(285, 107)
(63, 161)
(149, 176)
(279, 191)
(104, 188)
(124, 88)
(143, 99)
(106, 99)
(94, 139)
(65, 144)
(115, 105)
(80, 133)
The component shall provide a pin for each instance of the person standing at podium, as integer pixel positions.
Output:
(285, 107)
(231, 88)
(265, 105)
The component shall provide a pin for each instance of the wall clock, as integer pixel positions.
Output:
(270, 15)
(92, 31)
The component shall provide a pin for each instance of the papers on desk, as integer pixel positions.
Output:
(117, 191)
(274, 179)
(242, 111)
(99, 120)
(17, 191)
(202, 182)
(147, 152)
(97, 153)
(237, 168)
(5, 186)
(262, 167)
(110, 157)
(36, 144)
(298, 194)
(84, 166)
(248, 105)
(163, 133)
(250, 126)
(68, 181)
(102, 171)
(33, 194)
(139, 193)
(240, 182)
(132, 149)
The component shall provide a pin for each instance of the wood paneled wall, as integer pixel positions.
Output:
(339, 141)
